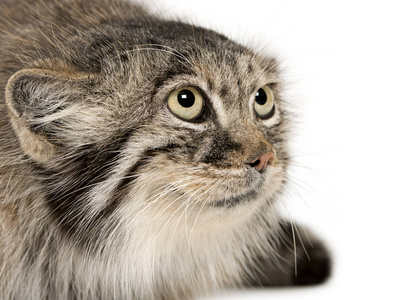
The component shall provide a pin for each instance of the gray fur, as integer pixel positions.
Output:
(105, 194)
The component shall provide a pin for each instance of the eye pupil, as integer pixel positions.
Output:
(261, 97)
(186, 98)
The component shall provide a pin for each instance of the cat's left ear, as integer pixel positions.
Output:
(40, 103)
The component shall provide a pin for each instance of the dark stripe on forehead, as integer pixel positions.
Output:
(210, 83)
(224, 92)
(251, 69)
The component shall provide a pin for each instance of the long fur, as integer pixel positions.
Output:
(104, 193)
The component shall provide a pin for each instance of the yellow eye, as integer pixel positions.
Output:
(186, 103)
(264, 103)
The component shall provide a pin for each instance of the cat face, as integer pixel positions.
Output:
(152, 128)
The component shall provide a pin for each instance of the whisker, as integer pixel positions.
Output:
(143, 47)
(302, 243)
(295, 248)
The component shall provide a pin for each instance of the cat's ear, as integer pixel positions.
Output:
(38, 100)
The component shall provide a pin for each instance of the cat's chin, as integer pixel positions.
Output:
(236, 200)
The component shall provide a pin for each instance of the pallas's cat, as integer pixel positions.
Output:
(140, 158)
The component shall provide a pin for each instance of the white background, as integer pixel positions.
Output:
(339, 61)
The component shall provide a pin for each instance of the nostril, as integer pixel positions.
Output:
(262, 161)
(255, 163)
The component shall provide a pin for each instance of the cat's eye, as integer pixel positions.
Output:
(264, 102)
(186, 103)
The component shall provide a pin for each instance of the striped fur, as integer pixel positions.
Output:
(104, 193)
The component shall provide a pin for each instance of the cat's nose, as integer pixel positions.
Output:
(262, 161)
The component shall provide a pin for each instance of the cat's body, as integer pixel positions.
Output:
(105, 192)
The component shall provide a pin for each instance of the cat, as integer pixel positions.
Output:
(141, 158)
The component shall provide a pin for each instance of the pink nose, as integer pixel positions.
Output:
(261, 162)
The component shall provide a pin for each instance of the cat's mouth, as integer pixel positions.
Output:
(224, 197)
(207, 186)
(252, 187)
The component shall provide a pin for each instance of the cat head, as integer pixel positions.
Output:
(150, 126)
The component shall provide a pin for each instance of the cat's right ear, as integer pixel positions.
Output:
(37, 100)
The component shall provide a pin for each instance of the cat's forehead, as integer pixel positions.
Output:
(240, 72)
(220, 61)
(216, 63)
(204, 53)
(163, 50)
